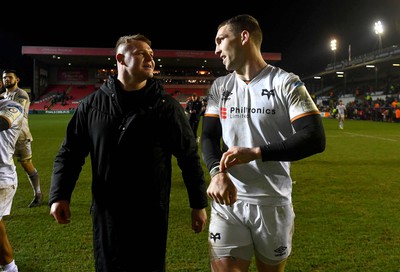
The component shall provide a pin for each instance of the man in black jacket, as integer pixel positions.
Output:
(131, 128)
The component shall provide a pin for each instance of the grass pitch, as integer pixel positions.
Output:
(346, 201)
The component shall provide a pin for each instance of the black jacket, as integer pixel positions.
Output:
(130, 153)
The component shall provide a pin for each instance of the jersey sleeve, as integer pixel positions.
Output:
(10, 113)
(300, 102)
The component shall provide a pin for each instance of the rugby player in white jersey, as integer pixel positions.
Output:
(23, 148)
(266, 119)
(11, 114)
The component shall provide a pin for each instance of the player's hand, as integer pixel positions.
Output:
(222, 190)
(239, 155)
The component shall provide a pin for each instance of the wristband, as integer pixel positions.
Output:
(215, 171)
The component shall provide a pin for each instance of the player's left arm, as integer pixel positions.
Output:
(308, 140)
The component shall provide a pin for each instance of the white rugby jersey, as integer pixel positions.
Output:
(13, 113)
(256, 114)
(341, 109)
(21, 96)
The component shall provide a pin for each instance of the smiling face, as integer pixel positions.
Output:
(137, 59)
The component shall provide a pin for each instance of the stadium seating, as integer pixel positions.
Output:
(61, 97)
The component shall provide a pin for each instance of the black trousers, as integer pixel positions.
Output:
(194, 125)
(120, 246)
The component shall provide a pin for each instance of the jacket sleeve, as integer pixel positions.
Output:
(69, 159)
(185, 149)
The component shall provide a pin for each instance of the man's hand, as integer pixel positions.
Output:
(239, 155)
(199, 220)
(222, 190)
(60, 211)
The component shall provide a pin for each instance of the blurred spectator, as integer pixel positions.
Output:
(194, 108)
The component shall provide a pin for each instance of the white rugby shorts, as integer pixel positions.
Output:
(6, 199)
(246, 229)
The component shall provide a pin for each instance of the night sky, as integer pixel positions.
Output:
(300, 30)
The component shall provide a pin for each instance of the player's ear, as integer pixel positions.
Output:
(244, 36)
(120, 58)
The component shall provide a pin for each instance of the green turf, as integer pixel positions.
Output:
(346, 202)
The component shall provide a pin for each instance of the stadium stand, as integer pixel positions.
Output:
(59, 70)
(76, 72)
(62, 97)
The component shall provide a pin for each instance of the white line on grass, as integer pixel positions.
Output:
(373, 137)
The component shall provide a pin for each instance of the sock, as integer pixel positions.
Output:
(34, 180)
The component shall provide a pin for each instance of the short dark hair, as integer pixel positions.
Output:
(247, 22)
(10, 71)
